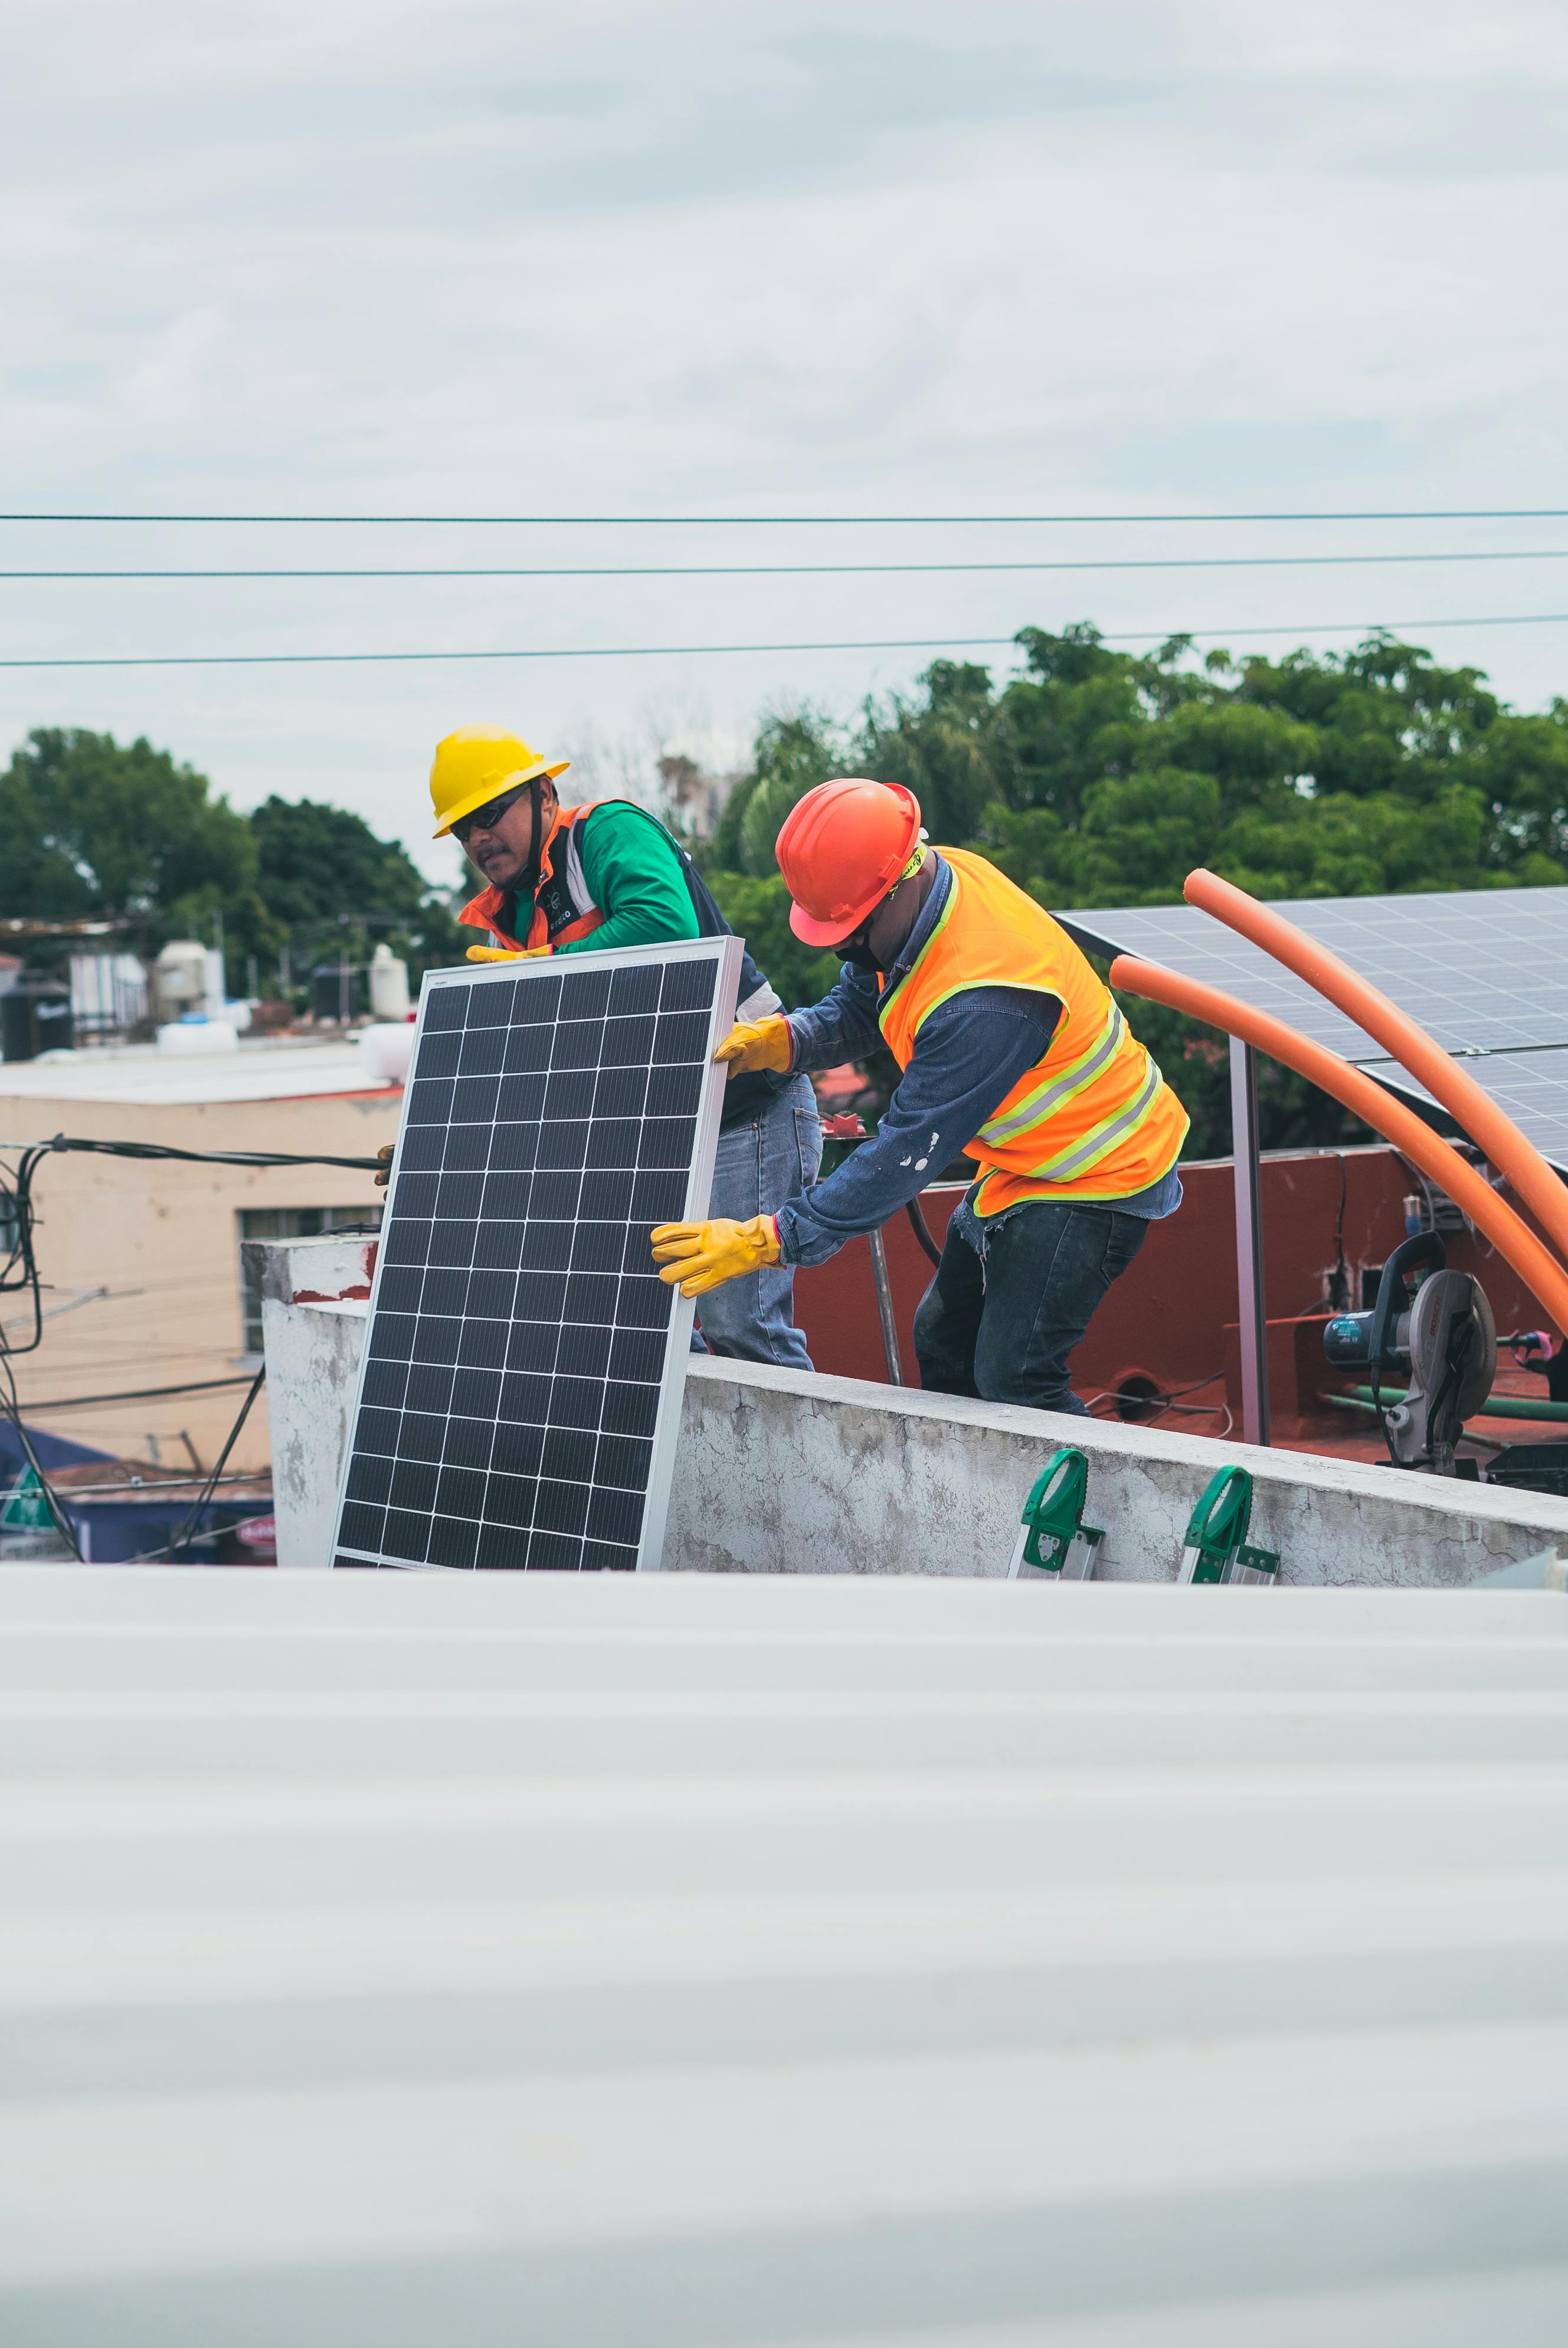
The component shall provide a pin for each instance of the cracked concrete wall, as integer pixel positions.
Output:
(312, 1362)
(778, 1471)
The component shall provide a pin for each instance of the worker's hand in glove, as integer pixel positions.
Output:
(385, 1177)
(700, 1256)
(758, 1044)
(506, 954)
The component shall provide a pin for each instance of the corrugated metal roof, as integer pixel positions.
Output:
(717, 1960)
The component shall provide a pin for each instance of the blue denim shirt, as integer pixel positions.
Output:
(971, 1052)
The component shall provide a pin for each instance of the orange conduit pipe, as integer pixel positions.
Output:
(1509, 1233)
(1497, 1135)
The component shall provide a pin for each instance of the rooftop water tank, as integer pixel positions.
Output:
(388, 985)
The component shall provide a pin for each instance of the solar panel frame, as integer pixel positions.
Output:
(553, 1294)
(1529, 1086)
(1510, 1035)
(1481, 970)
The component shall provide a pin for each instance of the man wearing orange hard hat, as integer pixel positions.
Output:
(568, 879)
(1011, 1051)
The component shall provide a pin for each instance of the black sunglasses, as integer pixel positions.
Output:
(486, 819)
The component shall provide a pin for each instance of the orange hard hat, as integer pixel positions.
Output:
(840, 850)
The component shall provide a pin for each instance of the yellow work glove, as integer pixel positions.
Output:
(385, 1177)
(700, 1256)
(506, 954)
(758, 1044)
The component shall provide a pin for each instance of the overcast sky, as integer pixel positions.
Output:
(861, 258)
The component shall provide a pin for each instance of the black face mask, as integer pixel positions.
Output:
(861, 956)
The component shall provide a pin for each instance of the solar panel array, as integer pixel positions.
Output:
(1480, 969)
(1531, 1087)
(1483, 970)
(523, 1364)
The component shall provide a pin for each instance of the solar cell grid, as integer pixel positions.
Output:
(1484, 972)
(523, 1362)
(1531, 1087)
(1481, 970)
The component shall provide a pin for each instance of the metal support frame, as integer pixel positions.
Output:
(1253, 1311)
(885, 1314)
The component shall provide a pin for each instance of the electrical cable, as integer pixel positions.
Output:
(181, 1545)
(804, 520)
(922, 1230)
(836, 645)
(9, 1404)
(19, 1274)
(19, 1270)
(829, 570)
(138, 1393)
(193, 1157)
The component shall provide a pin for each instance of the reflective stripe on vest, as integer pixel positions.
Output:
(1061, 1089)
(1094, 1117)
(1079, 1155)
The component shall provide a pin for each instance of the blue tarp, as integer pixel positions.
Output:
(52, 1450)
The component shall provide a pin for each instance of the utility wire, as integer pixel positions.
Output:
(138, 1394)
(807, 521)
(12, 1409)
(180, 1546)
(857, 644)
(831, 570)
(62, 1141)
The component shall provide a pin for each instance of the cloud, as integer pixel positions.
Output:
(698, 258)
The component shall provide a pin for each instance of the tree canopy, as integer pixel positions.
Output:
(1101, 778)
(1094, 777)
(327, 879)
(89, 827)
(92, 827)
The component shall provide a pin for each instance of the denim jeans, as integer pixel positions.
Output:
(759, 1164)
(1001, 1322)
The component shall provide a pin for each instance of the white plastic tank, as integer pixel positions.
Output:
(187, 1037)
(180, 977)
(388, 985)
(387, 1051)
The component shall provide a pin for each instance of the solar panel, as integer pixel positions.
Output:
(520, 1388)
(1531, 1087)
(1480, 969)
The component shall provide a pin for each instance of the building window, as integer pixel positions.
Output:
(290, 1223)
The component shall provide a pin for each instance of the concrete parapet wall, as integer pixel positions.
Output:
(313, 1304)
(781, 1472)
(778, 1471)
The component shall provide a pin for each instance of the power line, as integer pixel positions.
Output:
(855, 645)
(138, 1393)
(807, 521)
(829, 570)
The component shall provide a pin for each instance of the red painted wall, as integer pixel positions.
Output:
(1166, 1318)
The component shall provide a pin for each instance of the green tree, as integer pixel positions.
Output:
(1101, 778)
(794, 751)
(330, 886)
(91, 826)
(947, 749)
(758, 911)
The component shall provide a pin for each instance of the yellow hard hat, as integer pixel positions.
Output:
(478, 763)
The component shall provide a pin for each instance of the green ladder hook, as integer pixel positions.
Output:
(1216, 1546)
(1055, 1540)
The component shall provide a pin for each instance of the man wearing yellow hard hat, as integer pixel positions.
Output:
(561, 879)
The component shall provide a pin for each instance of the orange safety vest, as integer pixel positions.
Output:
(563, 907)
(1093, 1118)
